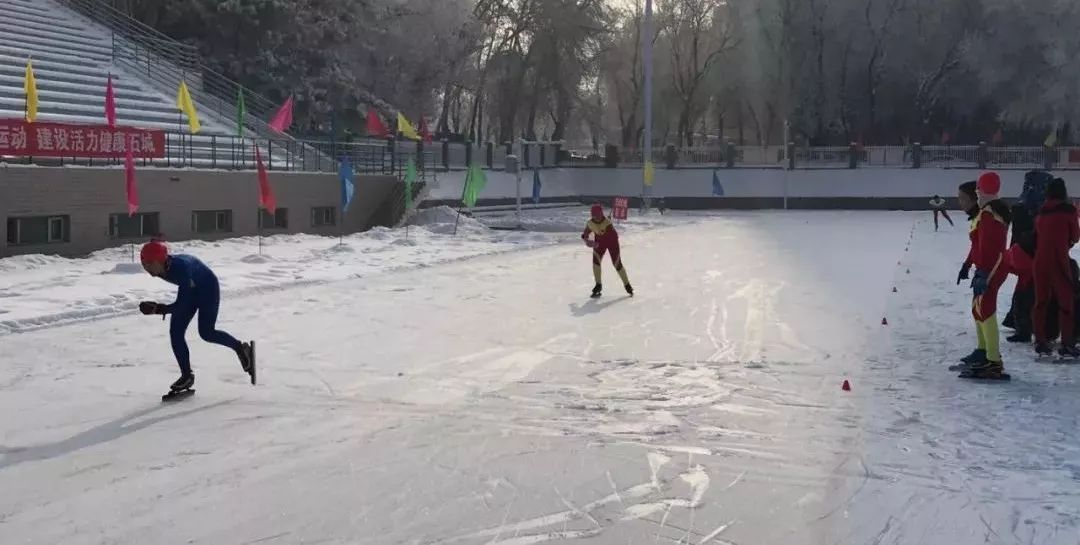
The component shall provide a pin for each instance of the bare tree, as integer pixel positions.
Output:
(698, 32)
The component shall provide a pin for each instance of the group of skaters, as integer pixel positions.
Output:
(1044, 227)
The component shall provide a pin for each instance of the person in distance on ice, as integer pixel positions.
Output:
(198, 292)
(937, 204)
(989, 231)
(1057, 231)
(605, 239)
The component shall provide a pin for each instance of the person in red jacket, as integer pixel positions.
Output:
(605, 239)
(1057, 231)
(989, 231)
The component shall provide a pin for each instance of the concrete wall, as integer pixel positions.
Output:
(886, 188)
(90, 195)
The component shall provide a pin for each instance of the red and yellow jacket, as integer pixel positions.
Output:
(988, 234)
(603, 232)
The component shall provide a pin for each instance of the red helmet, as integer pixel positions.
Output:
(989, 183)
(154, 251)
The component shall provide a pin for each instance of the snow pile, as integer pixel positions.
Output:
(126, 268)
(445, 220)
(41, 291)
(429, 216)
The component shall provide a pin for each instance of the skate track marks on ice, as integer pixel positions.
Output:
(490, 401)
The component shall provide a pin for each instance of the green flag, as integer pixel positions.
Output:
(241, 111)
(475, 181)
(410, 178)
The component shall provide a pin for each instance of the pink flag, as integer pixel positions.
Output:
(110, 104)
(283, 117)
(375, 127)
(266, 196)
(129, 176)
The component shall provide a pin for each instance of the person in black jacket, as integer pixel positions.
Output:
(1023, 240)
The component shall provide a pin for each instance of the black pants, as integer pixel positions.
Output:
(943, 213)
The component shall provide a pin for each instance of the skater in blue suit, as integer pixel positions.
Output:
(198, 293)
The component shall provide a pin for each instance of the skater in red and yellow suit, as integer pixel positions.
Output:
(605, 240)
(1057, 231)
(989, 230)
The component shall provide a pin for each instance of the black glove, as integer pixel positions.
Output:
(980, 283)
(964, 270)
(150, 307)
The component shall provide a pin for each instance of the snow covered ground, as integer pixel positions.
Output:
(43, 291)
(465, 391)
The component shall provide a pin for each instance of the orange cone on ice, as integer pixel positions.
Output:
(846, 386)
(884, 321)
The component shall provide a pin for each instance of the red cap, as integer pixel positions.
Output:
(597, 211)
(154, 251)
(989, 183)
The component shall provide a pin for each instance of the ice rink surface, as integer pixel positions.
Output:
(475, 395)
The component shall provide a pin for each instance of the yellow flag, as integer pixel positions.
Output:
(30, 89)
(650, 172)
(1051, 139)
(404, 128)
(184, 103)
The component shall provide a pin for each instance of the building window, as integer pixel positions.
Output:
(278, 220)
(38, 230)
(211, 221)
(138, 226)
(323, 216)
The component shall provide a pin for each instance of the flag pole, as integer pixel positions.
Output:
(464, 188)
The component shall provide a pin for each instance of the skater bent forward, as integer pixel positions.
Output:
(937, 204)
(198, 293)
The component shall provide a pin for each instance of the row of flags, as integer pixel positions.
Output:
(185, 104)
(280, 122)
(475, 179)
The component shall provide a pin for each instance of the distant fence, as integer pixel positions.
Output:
(390, 156)
(831, 157)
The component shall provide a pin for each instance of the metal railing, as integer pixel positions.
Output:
(825, 157)
(184, 150)
(164, 62)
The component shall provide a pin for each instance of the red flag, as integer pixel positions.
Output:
(424, 132)
(110, 105)
(266, 196)
(129, 179)
(283, 118)
(375, 126)
(998, 137)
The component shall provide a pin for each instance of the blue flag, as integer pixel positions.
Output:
(717, 189)
(345, 173)
(536, 186)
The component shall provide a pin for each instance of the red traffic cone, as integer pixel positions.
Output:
(884, 321)
(846, 386)
(894, 289)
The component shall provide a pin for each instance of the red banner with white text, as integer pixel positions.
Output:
(19, 137)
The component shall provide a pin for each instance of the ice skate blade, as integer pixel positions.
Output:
(177, 396)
